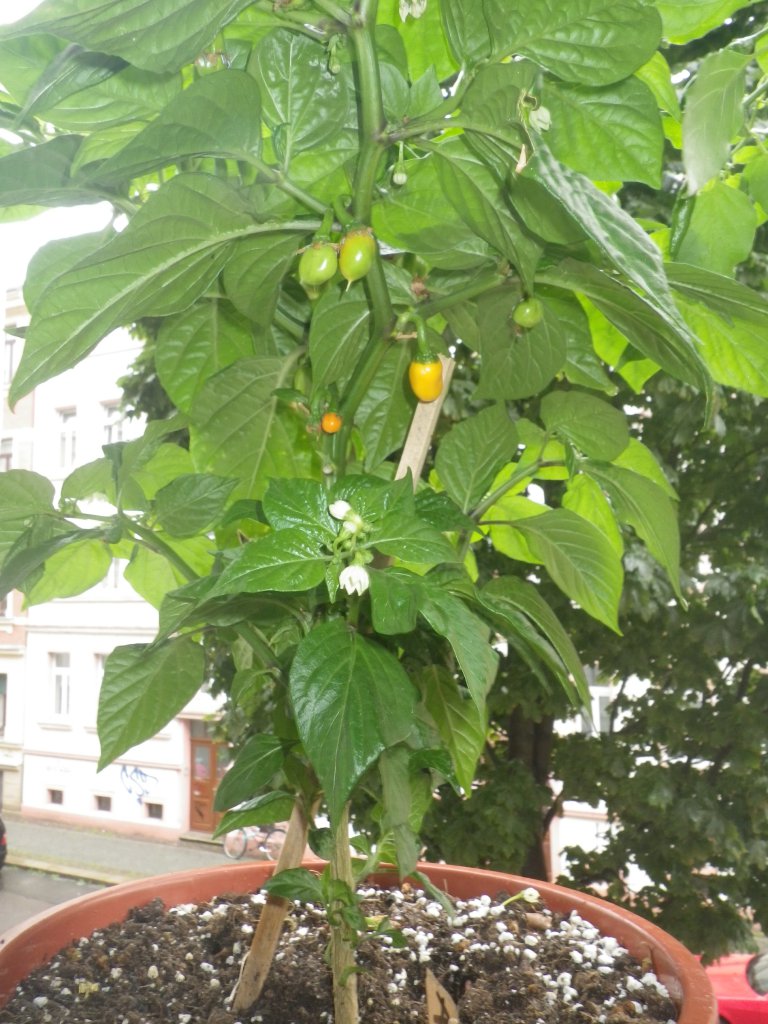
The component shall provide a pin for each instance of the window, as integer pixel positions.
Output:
(104, 803)
(67, 437)
(4, 607)
(113, 423)
(3, 700)
(601, 711)
(6, 454)
(10, 357)
(60, 683)
(55, 796)
(154, 811)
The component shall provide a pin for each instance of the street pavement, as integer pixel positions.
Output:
(98, 855)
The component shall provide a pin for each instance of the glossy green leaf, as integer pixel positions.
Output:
(687, 19)
(468, 636)
(301, 99)
(596, 428)
(466, 30)
(255, 763)
(143, 690)
(30, 550)
(91, 480)
(472, 452)
(384, 414)
(151, 575)
(73, 70)
(262, 810)
(43, 175)
(656, 74)
(337, 335)
(712, 115)
(734, 349)
(461, 725)
(580, 560)
(160, 37)
(352, 699)
(410, 539)
(593, 42)
(300, 503)
(394, 769)
(729, 299)
(296, 884)
(395, 597)
(423, 37)
(606, 133)
(586, 498)
(640, 459)
(287, 560)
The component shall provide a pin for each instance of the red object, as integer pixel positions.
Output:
(33, 943)
(737, 1001)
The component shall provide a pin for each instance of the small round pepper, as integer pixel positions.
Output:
(425, 374)
(330, 423)
(356, 252)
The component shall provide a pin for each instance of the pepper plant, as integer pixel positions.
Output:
(324, 209)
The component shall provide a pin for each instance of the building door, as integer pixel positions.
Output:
(208, 762)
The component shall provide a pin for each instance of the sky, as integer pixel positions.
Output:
(19, 240)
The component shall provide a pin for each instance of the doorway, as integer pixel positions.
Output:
(208, 762)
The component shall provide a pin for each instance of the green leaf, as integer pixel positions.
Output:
(300, 503)
(472, 452)
(143, 690)
(508, 596)
(287, 560)
(194, 346)
(517, 363)
(30, 552)
(475, 194)
(239, 428)
(396, 805)
(411, 539)
(23, 493)
(734, 349)
(395, 597)
(151, 575)
(425, 43)
(162, 37)
(705, 244)
(647, 509)
(262, 810)
(467, 634)
(217, 115)
(93, 479)
(593, 42)
(415, 217)
(386, 410)
(730, 299)
(255, 763)
(637, 317)
(596, 428)
(586, 498)
(253, 274)
(606, 133)
(73, 70)
(300, 98)
(71, 570)
(688, 19)
(192, 503)
(640, 459)
(466, 30)
(296, 884)
(580, 560)
(337, 335)
(461, 724)
(171, 250)
(712, 115)
(42, 175)
(657, 76)
(352, 699)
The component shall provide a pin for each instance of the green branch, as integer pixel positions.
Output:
(149, 539)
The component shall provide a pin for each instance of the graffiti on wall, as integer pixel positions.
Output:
(136, 782)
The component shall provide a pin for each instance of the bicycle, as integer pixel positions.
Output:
(261, 841)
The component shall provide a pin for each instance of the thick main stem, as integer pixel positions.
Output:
(345, 1001)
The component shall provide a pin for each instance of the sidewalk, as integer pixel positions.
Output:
(97, 855)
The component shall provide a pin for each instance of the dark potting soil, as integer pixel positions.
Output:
(502, 964)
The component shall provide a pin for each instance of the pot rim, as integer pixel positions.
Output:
(36, 940)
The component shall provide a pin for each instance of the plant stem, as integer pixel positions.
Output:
(277, 178)
(151, 540)
(345, 1003)
(471, 291)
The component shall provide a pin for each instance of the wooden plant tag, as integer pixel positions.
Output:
(441, 1008)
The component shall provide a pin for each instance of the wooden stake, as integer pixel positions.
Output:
(264, 943)
(441, 1008)
(423, 424)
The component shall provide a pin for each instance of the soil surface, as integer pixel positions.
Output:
(502, 964)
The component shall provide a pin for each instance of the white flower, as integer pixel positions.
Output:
(354, 579)
(353, 523)
(530, 895)
(340, 509)
(413, 7)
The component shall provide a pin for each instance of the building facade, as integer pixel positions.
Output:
(52, 654)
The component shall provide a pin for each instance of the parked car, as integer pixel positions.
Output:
(741, 986)
(3, 843)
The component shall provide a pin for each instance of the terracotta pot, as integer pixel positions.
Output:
(33, 943)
